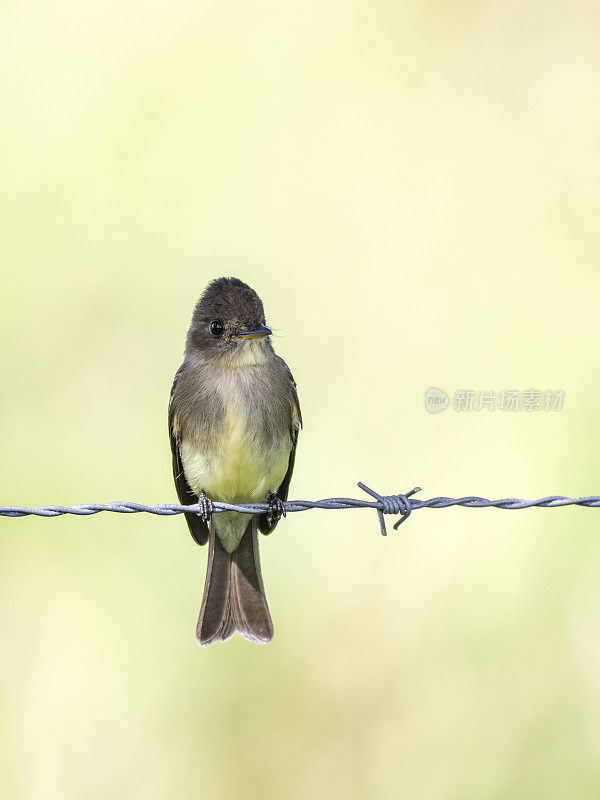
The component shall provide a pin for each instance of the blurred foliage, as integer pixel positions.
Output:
(413, 189)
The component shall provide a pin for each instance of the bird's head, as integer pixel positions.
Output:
(229, 322)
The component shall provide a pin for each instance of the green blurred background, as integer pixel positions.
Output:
(413, 189)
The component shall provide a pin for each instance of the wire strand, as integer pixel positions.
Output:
(402, 504)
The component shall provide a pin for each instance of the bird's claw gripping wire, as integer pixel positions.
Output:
(276, 509)
(206, 508)
(391, 504)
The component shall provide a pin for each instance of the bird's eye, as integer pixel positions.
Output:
(217, 328)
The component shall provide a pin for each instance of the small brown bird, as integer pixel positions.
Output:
(234, 419)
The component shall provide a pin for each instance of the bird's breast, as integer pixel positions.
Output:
(243, 453)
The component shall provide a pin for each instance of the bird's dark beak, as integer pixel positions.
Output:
(257, 333)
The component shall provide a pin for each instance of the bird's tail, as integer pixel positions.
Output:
(234, 595)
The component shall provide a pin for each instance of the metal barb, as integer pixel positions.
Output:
(391, 504)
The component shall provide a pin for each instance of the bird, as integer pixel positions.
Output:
(234, 419)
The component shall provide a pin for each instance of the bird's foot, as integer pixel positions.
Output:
(276, 510)
(206, 508)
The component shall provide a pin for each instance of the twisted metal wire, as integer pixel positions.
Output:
(402, 504)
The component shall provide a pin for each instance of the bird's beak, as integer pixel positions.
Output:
(257, 333)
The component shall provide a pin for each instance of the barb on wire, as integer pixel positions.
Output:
(402, 504)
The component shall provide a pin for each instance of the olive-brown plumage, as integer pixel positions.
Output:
(234, 419)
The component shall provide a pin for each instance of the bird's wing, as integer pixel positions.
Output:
(198, 528)
(296, 424)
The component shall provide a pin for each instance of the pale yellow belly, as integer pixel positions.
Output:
(237, 471)
(239, 468)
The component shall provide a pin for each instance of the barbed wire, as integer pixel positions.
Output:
(402, 504)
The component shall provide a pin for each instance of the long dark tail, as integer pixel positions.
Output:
(234, 595)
